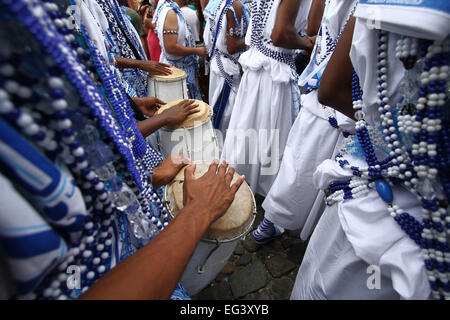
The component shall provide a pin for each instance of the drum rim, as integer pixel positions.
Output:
(183, 77)
(216, 241)
(164, 78)
(190, 127)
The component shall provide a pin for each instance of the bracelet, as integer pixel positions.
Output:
(170, 31)
(236, 32)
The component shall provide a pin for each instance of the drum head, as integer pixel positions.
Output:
(177, 74)
(235, 221)
(191, 120)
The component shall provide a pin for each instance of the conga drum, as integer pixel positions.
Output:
(195, 137)
(220, 240)
(168, 88)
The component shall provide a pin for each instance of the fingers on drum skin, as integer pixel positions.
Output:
(235, 187)
(213, 167)
(222, 169)
(229, 175)
(189, 172)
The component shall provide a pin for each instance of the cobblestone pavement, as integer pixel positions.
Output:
(258, 272)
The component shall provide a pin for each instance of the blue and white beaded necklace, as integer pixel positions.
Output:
(417, 167)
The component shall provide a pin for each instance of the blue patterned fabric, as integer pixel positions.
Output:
(27, 233)
(117, 37)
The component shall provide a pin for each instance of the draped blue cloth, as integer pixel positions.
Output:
(221, 103)
(48, 201)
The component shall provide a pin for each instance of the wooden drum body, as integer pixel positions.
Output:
(195, 137)
(220, 240)
(168, 88)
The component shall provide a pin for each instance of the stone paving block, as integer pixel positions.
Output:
(296, 252)
(249, 279)
(244, 260)
(239, 249)
(219, 291)
(281, 289)
(278, 265)
(269, 249)
(263, 294)
(250, 244)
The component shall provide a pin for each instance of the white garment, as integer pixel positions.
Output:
(357, 233)
(216, 79)
(263, 106)
(294, 202)
(182, 33)
(96, 24)
(192, 19)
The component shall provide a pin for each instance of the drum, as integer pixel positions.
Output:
(220, 240)
(168, 88)
(195, 137)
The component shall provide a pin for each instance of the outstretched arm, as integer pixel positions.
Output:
(335, 89)
(284, 33)
(154, 271)
(151, 67)
(169, 117)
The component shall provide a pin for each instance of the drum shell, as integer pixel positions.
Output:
(167, 90)
(198, 142)
(210, 256)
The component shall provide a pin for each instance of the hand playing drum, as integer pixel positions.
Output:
(213, 190)
(222, 208)
(167, 170)
(175, 115)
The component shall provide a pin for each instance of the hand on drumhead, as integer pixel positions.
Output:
(179, 112)
(213, 191)
(168, 169)
(149, 105)
(156, 68)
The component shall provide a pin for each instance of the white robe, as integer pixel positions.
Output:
(354, 235)
(263, 109)
(216, 80)
(294, 202)
(181, 39)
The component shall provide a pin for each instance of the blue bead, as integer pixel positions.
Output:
(384, 190)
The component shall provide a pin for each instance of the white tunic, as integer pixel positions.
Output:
(357, 235)
(182, 33)
(263, 108)
(216, 78)
(293, 201)
(191, 17)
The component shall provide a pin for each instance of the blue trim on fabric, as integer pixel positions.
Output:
(11, 138)
(22, 229)
(31, 245)
(221, 103)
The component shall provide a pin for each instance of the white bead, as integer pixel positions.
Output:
(24, 120)
(89, 239)
(78, 152)
(101, 269)
(55, 83)
(59, 104)
(64, 124)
